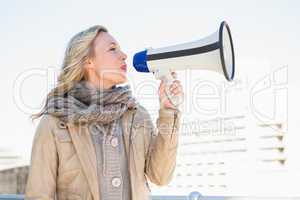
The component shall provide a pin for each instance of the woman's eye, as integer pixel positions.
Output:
(112, 49)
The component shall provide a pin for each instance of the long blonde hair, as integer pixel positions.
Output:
(79, 49)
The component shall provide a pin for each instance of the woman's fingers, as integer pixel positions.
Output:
(176, 91)
(175, 84)
(176, 88)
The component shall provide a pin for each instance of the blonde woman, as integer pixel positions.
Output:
(94, 140)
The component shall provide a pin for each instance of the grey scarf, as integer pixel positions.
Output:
(85, 104)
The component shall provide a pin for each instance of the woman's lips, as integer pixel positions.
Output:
(124, 67)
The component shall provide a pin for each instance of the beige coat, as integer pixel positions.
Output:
(63, 160)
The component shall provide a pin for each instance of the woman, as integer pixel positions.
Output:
(94, 140)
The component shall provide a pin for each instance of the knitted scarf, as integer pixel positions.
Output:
(85, 104)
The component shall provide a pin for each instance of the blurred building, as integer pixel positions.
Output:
(13, 173)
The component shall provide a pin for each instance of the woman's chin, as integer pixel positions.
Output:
(122, 80)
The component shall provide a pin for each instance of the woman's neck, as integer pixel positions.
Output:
(102, 86)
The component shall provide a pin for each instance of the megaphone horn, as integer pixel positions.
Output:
(214, 52)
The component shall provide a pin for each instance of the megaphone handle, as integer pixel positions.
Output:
(175, 100)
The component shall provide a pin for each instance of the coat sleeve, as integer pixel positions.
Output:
(161, 157)
(41, 182)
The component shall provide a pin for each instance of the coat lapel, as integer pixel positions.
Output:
(127, 134)
(85, 150)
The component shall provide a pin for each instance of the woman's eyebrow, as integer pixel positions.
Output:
(113, 43)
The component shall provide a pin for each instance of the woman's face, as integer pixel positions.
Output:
(108, 63)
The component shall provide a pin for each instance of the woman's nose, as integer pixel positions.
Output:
(124, 56)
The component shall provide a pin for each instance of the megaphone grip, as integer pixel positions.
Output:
(175, 100)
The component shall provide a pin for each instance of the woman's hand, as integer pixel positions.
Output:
(175, 89)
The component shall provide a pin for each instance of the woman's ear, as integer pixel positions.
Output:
(89, 64)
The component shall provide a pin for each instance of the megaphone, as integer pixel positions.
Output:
(214, 52)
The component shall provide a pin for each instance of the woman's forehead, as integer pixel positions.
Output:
(105, 39)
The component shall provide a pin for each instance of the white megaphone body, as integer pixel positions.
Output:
(214, 52)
